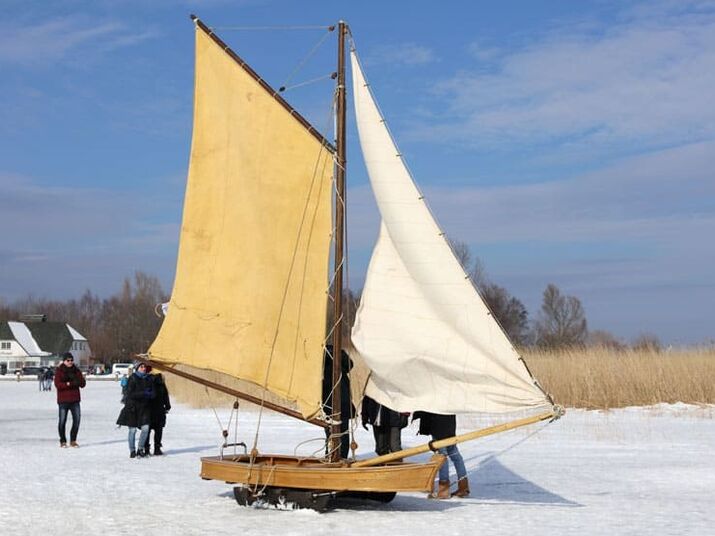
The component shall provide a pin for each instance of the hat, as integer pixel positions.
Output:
(67, 355)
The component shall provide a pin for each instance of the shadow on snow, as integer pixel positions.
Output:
(490, 482)
(493, 482)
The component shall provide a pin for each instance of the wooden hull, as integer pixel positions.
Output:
(316, 474)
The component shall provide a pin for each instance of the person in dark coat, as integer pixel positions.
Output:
(159, 407)
(386, 424)
(136, 412)
(49, 377)
(347, 410)
(443, 427)
(68, 381)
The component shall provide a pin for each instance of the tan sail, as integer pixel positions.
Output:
(249, 297)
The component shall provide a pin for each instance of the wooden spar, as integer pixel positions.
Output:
(434, 445)
(339, 247)
(302, 120)
(233, 392)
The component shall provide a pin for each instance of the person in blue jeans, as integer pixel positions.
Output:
(137, 409)
(68, 381)
(442, 427)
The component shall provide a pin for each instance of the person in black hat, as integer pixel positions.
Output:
(68, 381)
(136, 412)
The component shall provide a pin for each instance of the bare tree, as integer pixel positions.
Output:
(129, 320)
(116, 327)
(472, 265)
(508, 310)
(561, 322)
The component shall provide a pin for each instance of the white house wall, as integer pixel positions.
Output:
(14, 352)
(15, 357)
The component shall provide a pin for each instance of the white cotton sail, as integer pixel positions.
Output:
(422, 329)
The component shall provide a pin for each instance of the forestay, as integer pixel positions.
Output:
(249, 297)
(422, 329)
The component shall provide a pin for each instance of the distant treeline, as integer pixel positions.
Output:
(127, 322)
(116, 327)
(559, 324)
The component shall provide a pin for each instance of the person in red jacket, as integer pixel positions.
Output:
(68, 381)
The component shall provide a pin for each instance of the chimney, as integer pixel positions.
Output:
(33, 318)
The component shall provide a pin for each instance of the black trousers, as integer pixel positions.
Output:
(387, 439)
(158, 433)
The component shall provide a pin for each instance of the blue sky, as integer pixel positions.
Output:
(566, 142)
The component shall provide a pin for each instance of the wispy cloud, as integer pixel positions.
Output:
(400, 54)
(640, 197)
(96, 236)
(53, 40)
(643, 82)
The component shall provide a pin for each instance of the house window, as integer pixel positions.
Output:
(4, 345)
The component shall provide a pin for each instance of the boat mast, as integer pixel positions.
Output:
(339, 245)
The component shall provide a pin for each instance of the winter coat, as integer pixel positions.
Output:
(347, 410)
(160, 404)
(381, 416)
(436, 425)
(68, 381)
(137, 410)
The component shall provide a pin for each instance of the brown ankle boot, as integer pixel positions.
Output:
(442, 491)
(462, 488)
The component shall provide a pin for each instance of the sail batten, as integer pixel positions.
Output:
(249, 298)
(421, 328)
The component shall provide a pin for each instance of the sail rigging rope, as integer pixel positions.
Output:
(302, 63)
(254, 449)
(306, 83)
(218, 420)
(491, 458)
(269, 28)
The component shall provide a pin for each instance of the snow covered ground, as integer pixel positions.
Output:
(633, 471)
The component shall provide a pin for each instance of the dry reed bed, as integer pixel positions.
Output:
(594, 378)
(605, 378)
